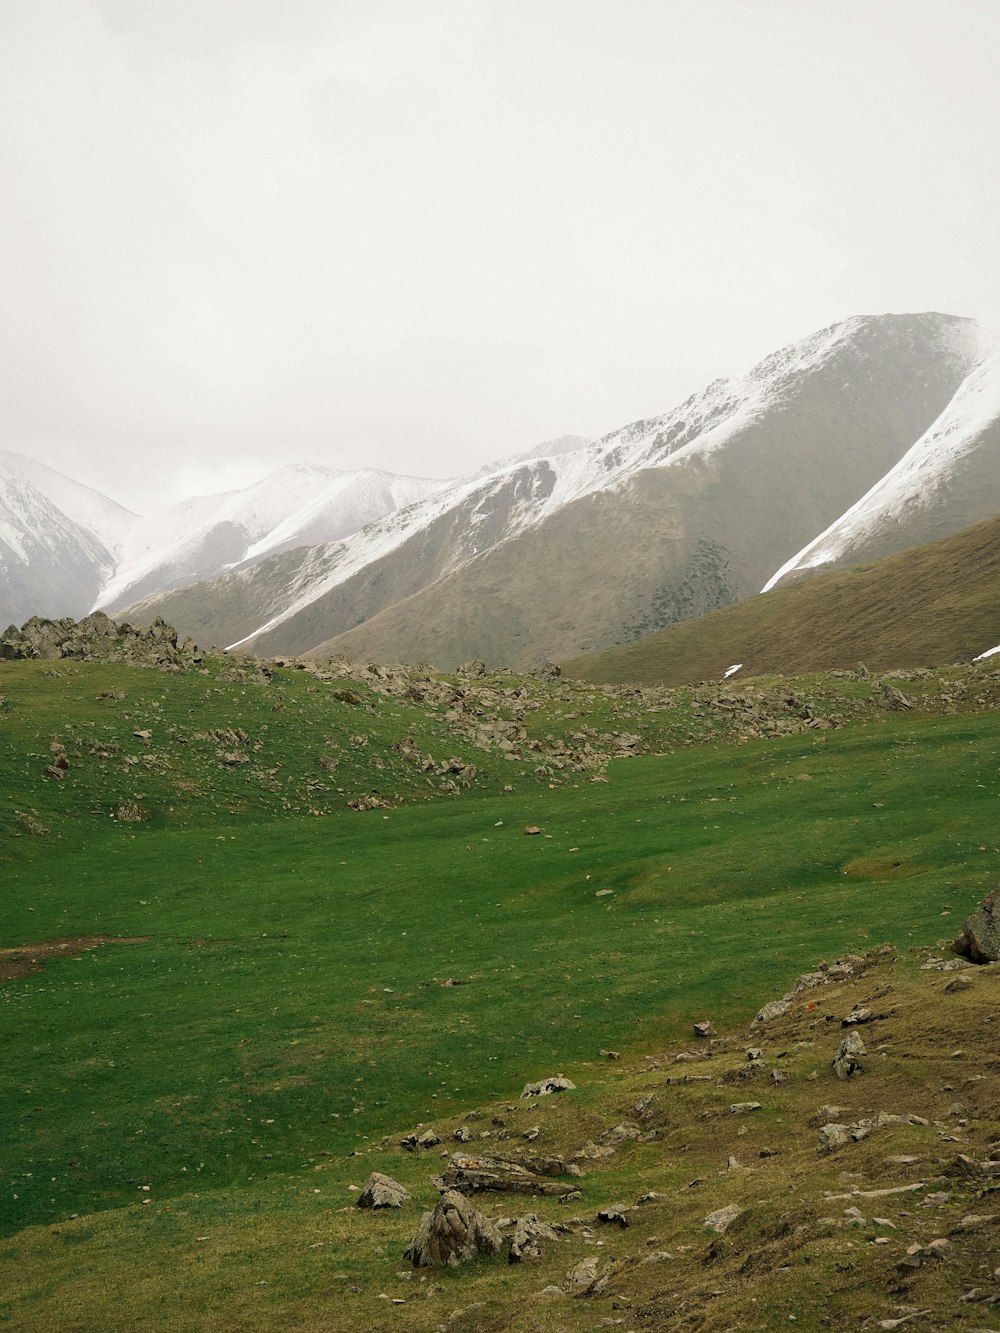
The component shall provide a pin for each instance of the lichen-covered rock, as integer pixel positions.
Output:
(454, 1232)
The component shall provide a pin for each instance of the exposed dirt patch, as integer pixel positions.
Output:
(28, 958)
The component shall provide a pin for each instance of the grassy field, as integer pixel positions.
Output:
(279, 1005)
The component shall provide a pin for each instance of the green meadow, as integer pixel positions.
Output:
(281, 1003)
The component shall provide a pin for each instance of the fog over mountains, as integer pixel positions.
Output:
(868, 436)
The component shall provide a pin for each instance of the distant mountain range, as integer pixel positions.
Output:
(864, 438)
(65, 548)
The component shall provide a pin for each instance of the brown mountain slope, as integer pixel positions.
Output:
(927, 606)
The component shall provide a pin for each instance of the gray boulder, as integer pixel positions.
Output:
(847, 1061)
(980, 937)
(454, 1232)
(382, 1192)
(557, 1083)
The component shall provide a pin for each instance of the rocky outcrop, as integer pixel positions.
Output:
(980, 937)
(454, 1232)
(473, 1175)
(98, 638)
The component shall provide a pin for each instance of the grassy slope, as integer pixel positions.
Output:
(282, 1011)
(926, 606)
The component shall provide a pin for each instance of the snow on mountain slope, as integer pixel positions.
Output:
(876, 380)
(58, 540)
(562, 444)
(104, 519)
(302, 504)
(947, 481)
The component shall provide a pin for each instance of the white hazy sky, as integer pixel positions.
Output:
(421, 234)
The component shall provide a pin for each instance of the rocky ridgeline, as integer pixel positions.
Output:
(98, 638)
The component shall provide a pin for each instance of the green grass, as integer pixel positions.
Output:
(279, 1008)
(283, 1005)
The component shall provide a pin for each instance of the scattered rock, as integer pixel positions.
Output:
(857, 1016)
(412, 1142)
(918, 1255)
(705, 1029)
(454, 1232)
(744, 1108)
(382, 1192)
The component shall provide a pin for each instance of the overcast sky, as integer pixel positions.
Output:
(422, 234)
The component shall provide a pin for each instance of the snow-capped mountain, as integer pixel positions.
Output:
(947, 481)
(59, 540)
(660, 520)
(299, 505)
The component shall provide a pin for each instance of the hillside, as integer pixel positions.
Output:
(924, 607)
(265, 921)
(659, 521)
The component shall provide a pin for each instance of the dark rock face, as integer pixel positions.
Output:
(453, 1233)
(980, 937)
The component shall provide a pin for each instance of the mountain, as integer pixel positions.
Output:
(562, 444)
(298, 505)
(948, 480)
(660, 521)
(928, 606)
(59, 540)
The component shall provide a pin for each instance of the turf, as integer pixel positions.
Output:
(281, 1003)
